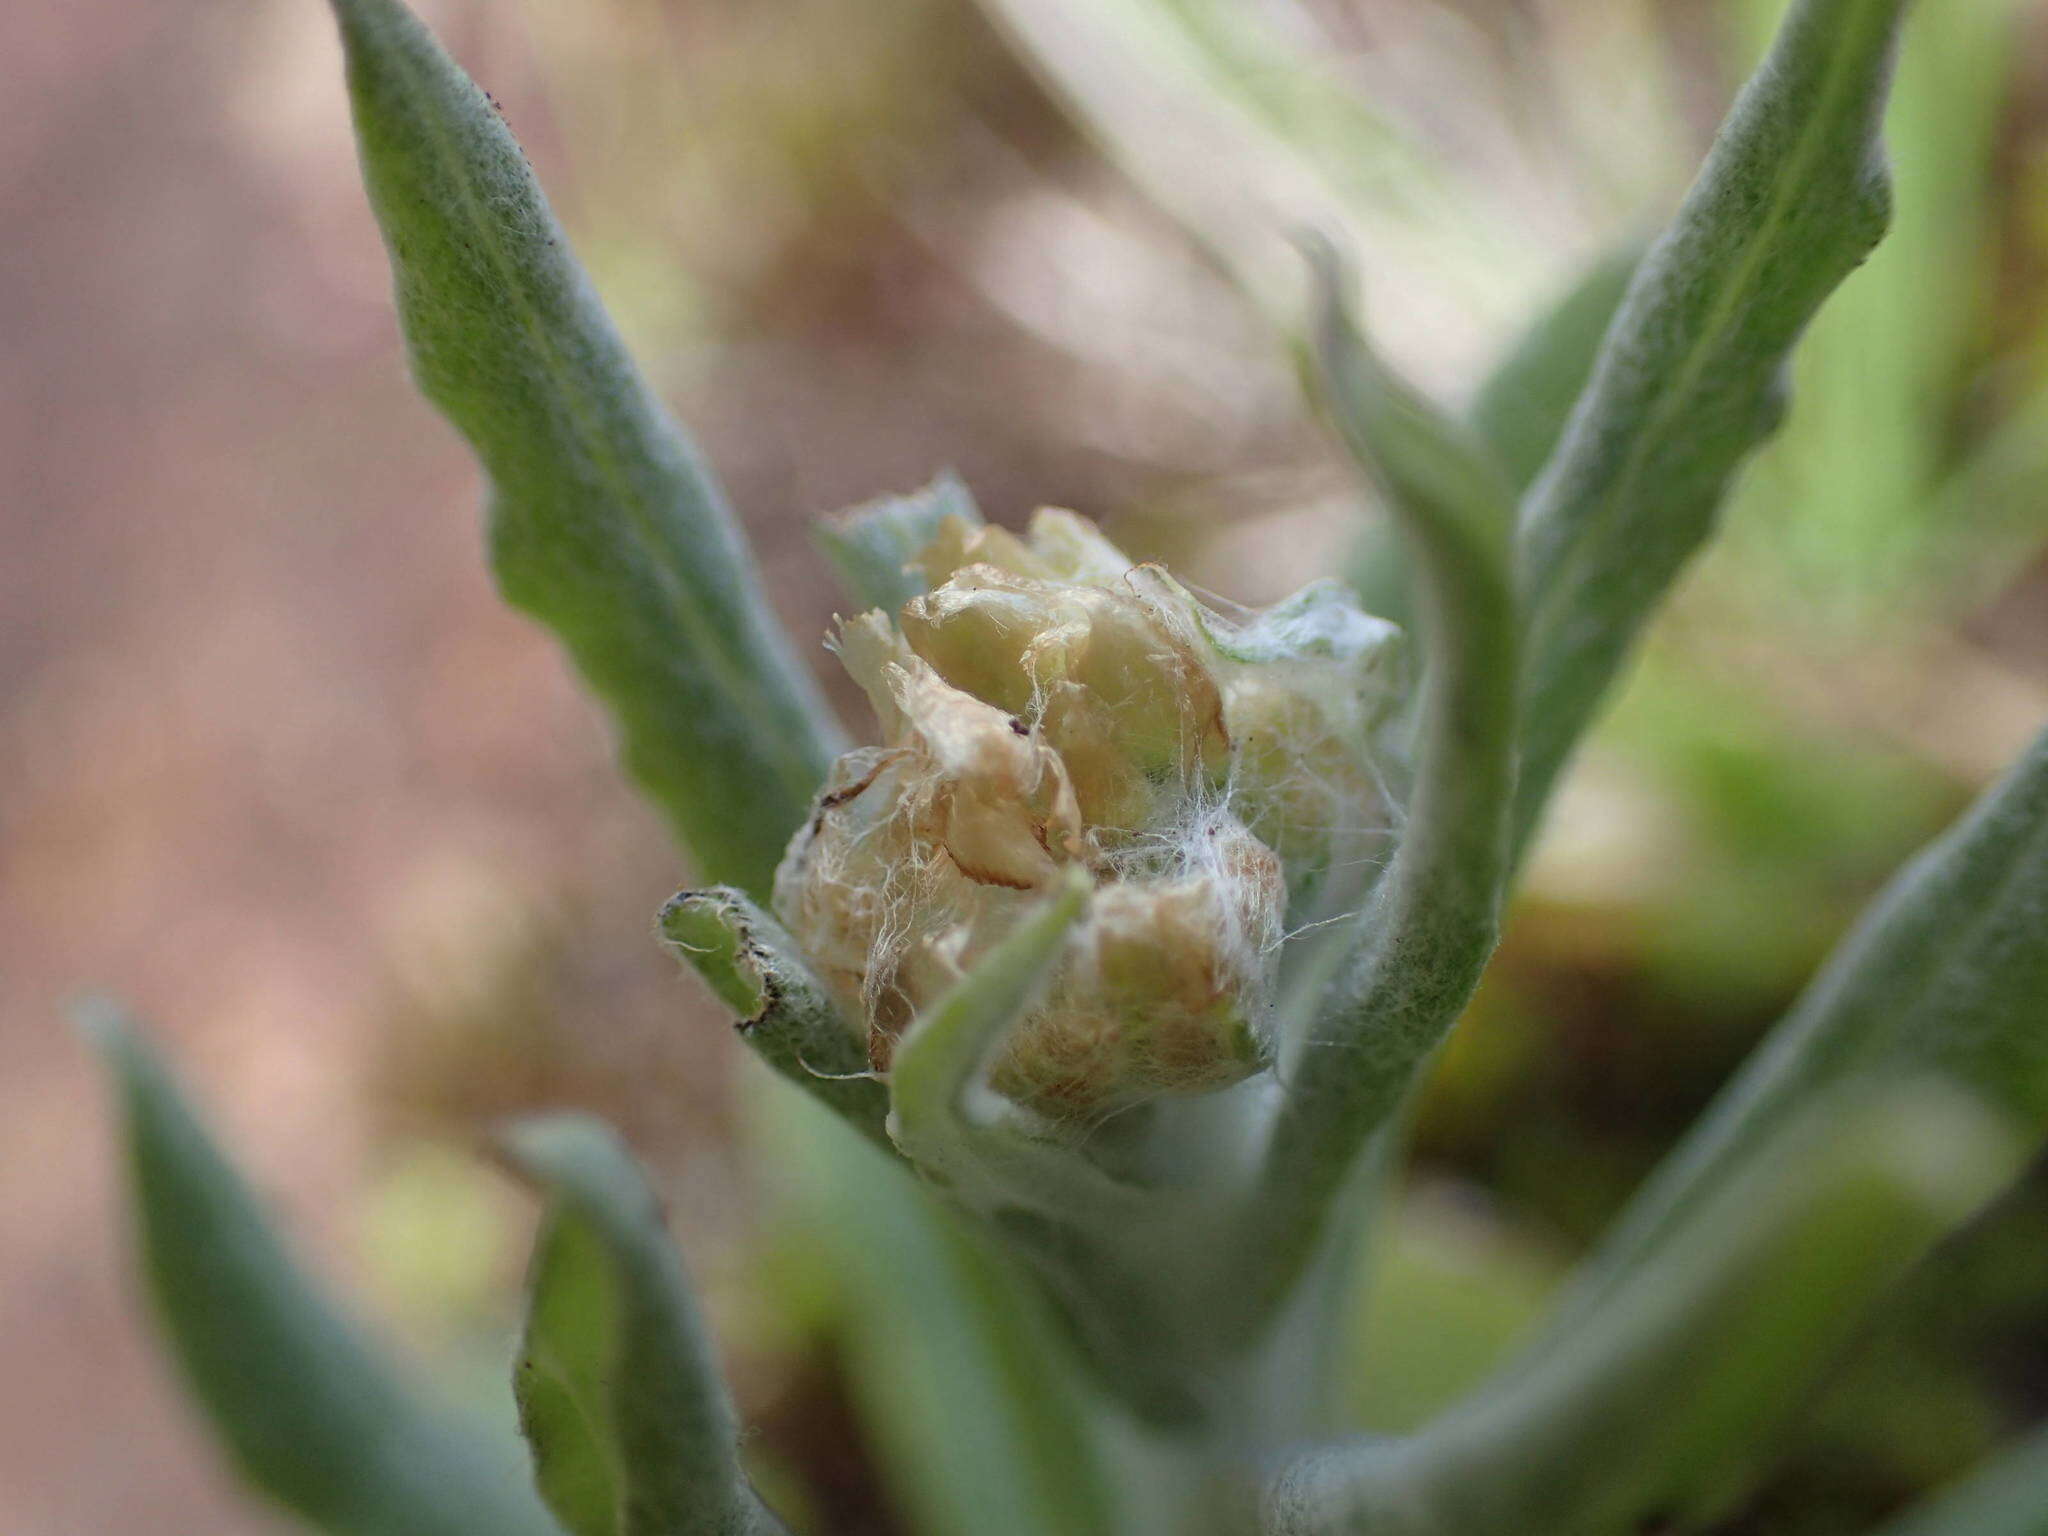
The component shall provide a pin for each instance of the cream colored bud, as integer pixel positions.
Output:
(1166, 987)
(1048, 704)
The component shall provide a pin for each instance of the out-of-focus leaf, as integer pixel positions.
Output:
(604, 523)
(961, 1377)
(2007, 1498)
(784, 1011)
(1946, 974)
(1246, 123)
(872, 546)
(1172, 112)
(1451, 1294)
(1660, 1415)
(1792, 197)
(1523, 405)
(310, 1412)
(632, 1430)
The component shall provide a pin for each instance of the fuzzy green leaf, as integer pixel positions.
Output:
(632, 1430)
(604, 523)
(872, 546)
(1947, 973)
(1792, 197)
(784, 1012)
(938, 1097)
(1659, 1417)
(310, 1412)
(1407, 966)
(2007, 1498)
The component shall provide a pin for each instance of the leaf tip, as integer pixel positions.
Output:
(549, 1149)
(104, 1026)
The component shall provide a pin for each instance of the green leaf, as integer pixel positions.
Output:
(784, 1011)
(632, 1430)
(604, 523)
(1947, 973)
(310, 1412)
(1865, 458)
(963, 1381)
(1523, 405)
(1094, 1236)
(1792, 197)
(1453, 1293)
(1404, 970)
(1659, 1417)
(1520, 412)
(2007, 1498)
(939, 1099)
(872, 546)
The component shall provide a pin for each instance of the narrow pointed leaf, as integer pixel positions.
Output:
(311, 1413)
(1078, 1220)
(872, 546)
(784, 1012)
(1792, 197)
(1663, 1414)
(2007, 1498)
(632, 1430)
(1947, 973)
(937, 1090)
(604, 523)
(1407, 966)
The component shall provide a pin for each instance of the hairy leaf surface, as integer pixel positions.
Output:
(632, 1430)
(604, 523)
(304, 1402)
(1792, 198)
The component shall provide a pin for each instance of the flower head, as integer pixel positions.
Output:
(1046, 704)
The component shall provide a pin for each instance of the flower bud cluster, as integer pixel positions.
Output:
(1046, 704)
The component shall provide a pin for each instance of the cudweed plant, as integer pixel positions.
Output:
(1132, 935)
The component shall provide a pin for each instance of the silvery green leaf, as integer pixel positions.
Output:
(1875, 460)
(306, 1405)
(872, 546)
(1660, 1416)
(1404, 968)
(963, 1382)
(1947, 973)
(941, 1108)
(604, 523)
(1690, 379)
(632, 1430)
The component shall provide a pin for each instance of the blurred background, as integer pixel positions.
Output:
(277, 770)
